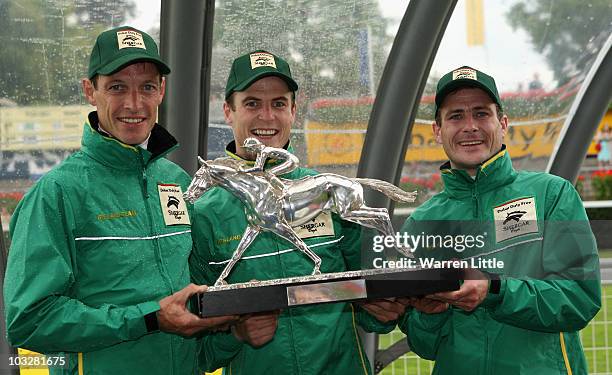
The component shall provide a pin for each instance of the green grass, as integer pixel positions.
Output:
(596, 340)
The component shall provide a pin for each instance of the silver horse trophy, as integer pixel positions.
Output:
(277, 205)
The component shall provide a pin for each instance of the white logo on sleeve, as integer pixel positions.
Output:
(130, 39)
(173, 206)
(464, 73)
(515, 218)
(321, 225)
(259, 59)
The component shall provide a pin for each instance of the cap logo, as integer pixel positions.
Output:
(464, 73)
(260, 59)
(130, 39)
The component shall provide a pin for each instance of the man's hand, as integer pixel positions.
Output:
(471, 294)
(385, 310)
(428, 305)
(256, 329)
(174, 317)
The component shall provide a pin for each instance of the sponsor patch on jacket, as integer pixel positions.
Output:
(173, 206)
(515, 218)
(130, 39)
(321, 225)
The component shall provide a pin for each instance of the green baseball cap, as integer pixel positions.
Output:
(255, 65)
(118, 47)
(465, 77)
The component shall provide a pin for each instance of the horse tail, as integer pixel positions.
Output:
(388, 189)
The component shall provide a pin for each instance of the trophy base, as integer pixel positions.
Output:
(259, 296)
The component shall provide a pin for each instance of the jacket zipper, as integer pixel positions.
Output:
(292, 348)
(145, 191)
(152, 229)
(474, 203)
(488, 361)
(157, 249)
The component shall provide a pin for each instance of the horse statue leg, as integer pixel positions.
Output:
(375, 218)
(284, 230)
(247, 238)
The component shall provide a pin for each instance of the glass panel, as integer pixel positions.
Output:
(337, 51)
(45, 52)
(539, 52)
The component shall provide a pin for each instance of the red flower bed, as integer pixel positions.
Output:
(602, 184)
(425, 186)
(9, 200)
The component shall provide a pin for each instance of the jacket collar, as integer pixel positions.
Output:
(492, 173)
(114, 153)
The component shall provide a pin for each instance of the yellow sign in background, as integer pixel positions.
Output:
(42, 127)
(341, 144)
(474, 21)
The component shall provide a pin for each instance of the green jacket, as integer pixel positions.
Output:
(536, 225)
(319, 339)
(92, 254)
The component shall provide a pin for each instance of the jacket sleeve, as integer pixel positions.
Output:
(216, 350)
(424, 332)
(567, 295)
(350, 246)
(41, 314)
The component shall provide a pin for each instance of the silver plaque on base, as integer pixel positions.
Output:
(252, 297)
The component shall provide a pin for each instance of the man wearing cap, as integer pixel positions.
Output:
(534, 282)
(321, 339)
(97, 269)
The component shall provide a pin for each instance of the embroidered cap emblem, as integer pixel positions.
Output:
(260, 59)
(465, 73)
(130, 39)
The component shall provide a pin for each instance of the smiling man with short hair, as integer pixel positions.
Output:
(97, 267)
(320, 339)
(522, 313)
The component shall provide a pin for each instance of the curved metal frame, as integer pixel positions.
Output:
(186, 35)
(588, 109)
(396, 104)
(400, 89)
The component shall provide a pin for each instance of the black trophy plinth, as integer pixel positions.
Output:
(270, 295)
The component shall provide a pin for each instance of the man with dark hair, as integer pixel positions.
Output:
(97, 269)
(534, 282)
(320, 339)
